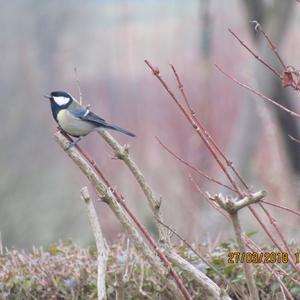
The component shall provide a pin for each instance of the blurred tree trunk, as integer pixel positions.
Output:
(275, 20)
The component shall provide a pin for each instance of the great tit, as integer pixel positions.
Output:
(75, 119)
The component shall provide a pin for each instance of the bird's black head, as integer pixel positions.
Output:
(59, 100)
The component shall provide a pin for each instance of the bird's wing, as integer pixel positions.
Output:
(85, 114)
(93, 118)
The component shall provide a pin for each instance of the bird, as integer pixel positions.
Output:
(75, 119)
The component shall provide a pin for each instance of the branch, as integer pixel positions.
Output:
(206, 197)
(102, 251)
(202, 134)
(257, 93)
(254, 54)
(273, 47)
(294, 139)
(210, 290)
(202, 278)
(281, 236)
(106, 195)
(124, 215)
(271, 235)
(192, 167)
(122, 153)
(78, 85)
(287, 80)
(213, 150)
(233, 205)
(205, 132)
(248, 268)
(291, 210)
(254, 248)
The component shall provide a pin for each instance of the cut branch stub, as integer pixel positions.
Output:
(232, 205)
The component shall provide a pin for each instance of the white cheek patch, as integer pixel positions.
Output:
(61, 100)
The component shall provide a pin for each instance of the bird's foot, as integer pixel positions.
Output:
(72, 144)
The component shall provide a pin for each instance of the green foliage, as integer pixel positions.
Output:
(66, 271)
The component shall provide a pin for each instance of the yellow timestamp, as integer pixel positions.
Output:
(261, 257)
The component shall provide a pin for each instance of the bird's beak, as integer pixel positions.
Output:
(47, 96)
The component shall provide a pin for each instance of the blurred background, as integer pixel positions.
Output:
(42, 41)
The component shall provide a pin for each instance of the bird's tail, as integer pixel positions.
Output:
(116, 128)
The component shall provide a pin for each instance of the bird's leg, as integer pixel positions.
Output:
(68, 137)
(73, 144)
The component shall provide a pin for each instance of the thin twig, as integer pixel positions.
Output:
(203, 137)
(294, 139)
(192, 167)
(270, 235)
(156, 73)
(277, 229)
(254, 248)
(205, 196)
(252, 209)
(94, 175)
(180, 86)
(205, 131)
(152, 242)
(257, 93)
(124, 214)
(273, 47)
(201, 256)
(254, 54)
(283, 288)
(1, 244)
(141, 291)
(78, 85)
(282, 207)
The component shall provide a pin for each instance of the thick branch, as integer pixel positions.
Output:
(209, 289)
(106, 194)
(233, 205)
(102, 251)
(122, 153)
(248, 268)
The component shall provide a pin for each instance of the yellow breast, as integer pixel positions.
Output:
(73, 125)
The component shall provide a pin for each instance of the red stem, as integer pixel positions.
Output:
(257, 93)
(254, 54)
(211, 203)
(141, 227)
(282, 207)
(196, 127)
(205, 131)
(274, 223)
(272, 45)
(192, 167)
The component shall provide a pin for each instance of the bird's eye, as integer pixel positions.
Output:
(61, 100)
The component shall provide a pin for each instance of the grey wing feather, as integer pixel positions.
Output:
(83, 113)
(86, 115)
(93, 118)
(77, 110)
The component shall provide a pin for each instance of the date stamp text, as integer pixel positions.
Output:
(261, 257)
